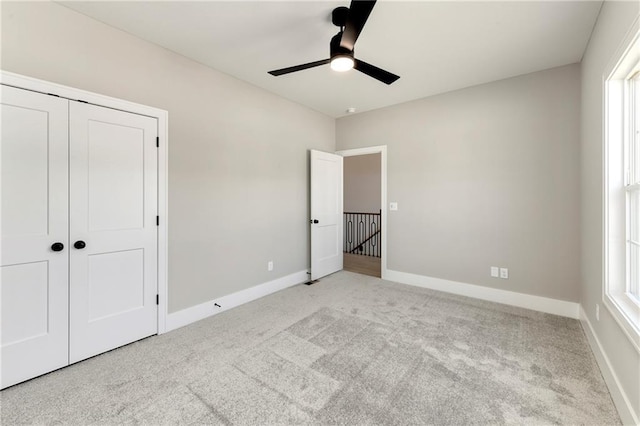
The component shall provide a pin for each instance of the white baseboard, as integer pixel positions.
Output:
(620, 399)
(207, 309)
(536, 303)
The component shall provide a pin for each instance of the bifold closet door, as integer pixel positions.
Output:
(113, 233)
(34, 245)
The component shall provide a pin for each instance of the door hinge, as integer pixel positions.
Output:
(157, 299)
(157, 220)
(157, 141)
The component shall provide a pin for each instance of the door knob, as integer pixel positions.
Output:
(57, 246)
(79, 244)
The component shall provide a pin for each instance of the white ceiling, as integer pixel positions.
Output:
(435, 46)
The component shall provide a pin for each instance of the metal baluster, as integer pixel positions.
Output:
(365, 239)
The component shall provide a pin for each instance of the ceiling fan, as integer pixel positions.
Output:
(351, 20)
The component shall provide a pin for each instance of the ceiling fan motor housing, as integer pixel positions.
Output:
(336, 50)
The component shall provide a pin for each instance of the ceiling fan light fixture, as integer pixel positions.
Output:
(342, 63)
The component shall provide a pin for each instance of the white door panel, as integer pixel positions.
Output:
(113, 292)
(34, 215)
(25, 171)
(115, 177)
(326, 213)
(25, 290)
(113, 208)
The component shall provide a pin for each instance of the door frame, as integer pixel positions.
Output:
(54, 89)
(382, 150)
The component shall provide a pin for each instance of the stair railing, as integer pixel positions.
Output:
(362, 233)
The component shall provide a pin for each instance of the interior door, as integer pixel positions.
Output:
(326, 214)
(33, 234)
(113, 231)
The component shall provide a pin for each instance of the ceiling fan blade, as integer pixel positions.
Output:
(299, 67)
(375, 72)
(359, 12)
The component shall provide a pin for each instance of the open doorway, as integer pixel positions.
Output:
(364, 224)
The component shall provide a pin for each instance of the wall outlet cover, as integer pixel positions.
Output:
(495, 272)
(504, 273)
(393, 206)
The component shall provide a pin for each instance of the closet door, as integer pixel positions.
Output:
(33, 234)
(113, 235)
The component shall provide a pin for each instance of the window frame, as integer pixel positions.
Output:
(619, 137)
(632, 176)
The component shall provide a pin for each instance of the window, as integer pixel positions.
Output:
(622, 189)
(632, 157)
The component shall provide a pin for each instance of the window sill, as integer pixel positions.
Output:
(626, 312)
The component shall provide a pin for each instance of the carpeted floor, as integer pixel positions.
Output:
(350, 349)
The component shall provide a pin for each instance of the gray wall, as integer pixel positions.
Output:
(484, 176)
(362, 174)
(238, 161)
(613, 23)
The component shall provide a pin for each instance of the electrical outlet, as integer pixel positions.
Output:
(270, 265)
(495, 271)
(393, 206)
(597, 312)
(504, 273)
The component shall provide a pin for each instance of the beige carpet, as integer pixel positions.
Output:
(350, 349)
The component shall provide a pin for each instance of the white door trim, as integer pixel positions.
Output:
(36, 85)
(382, 150)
